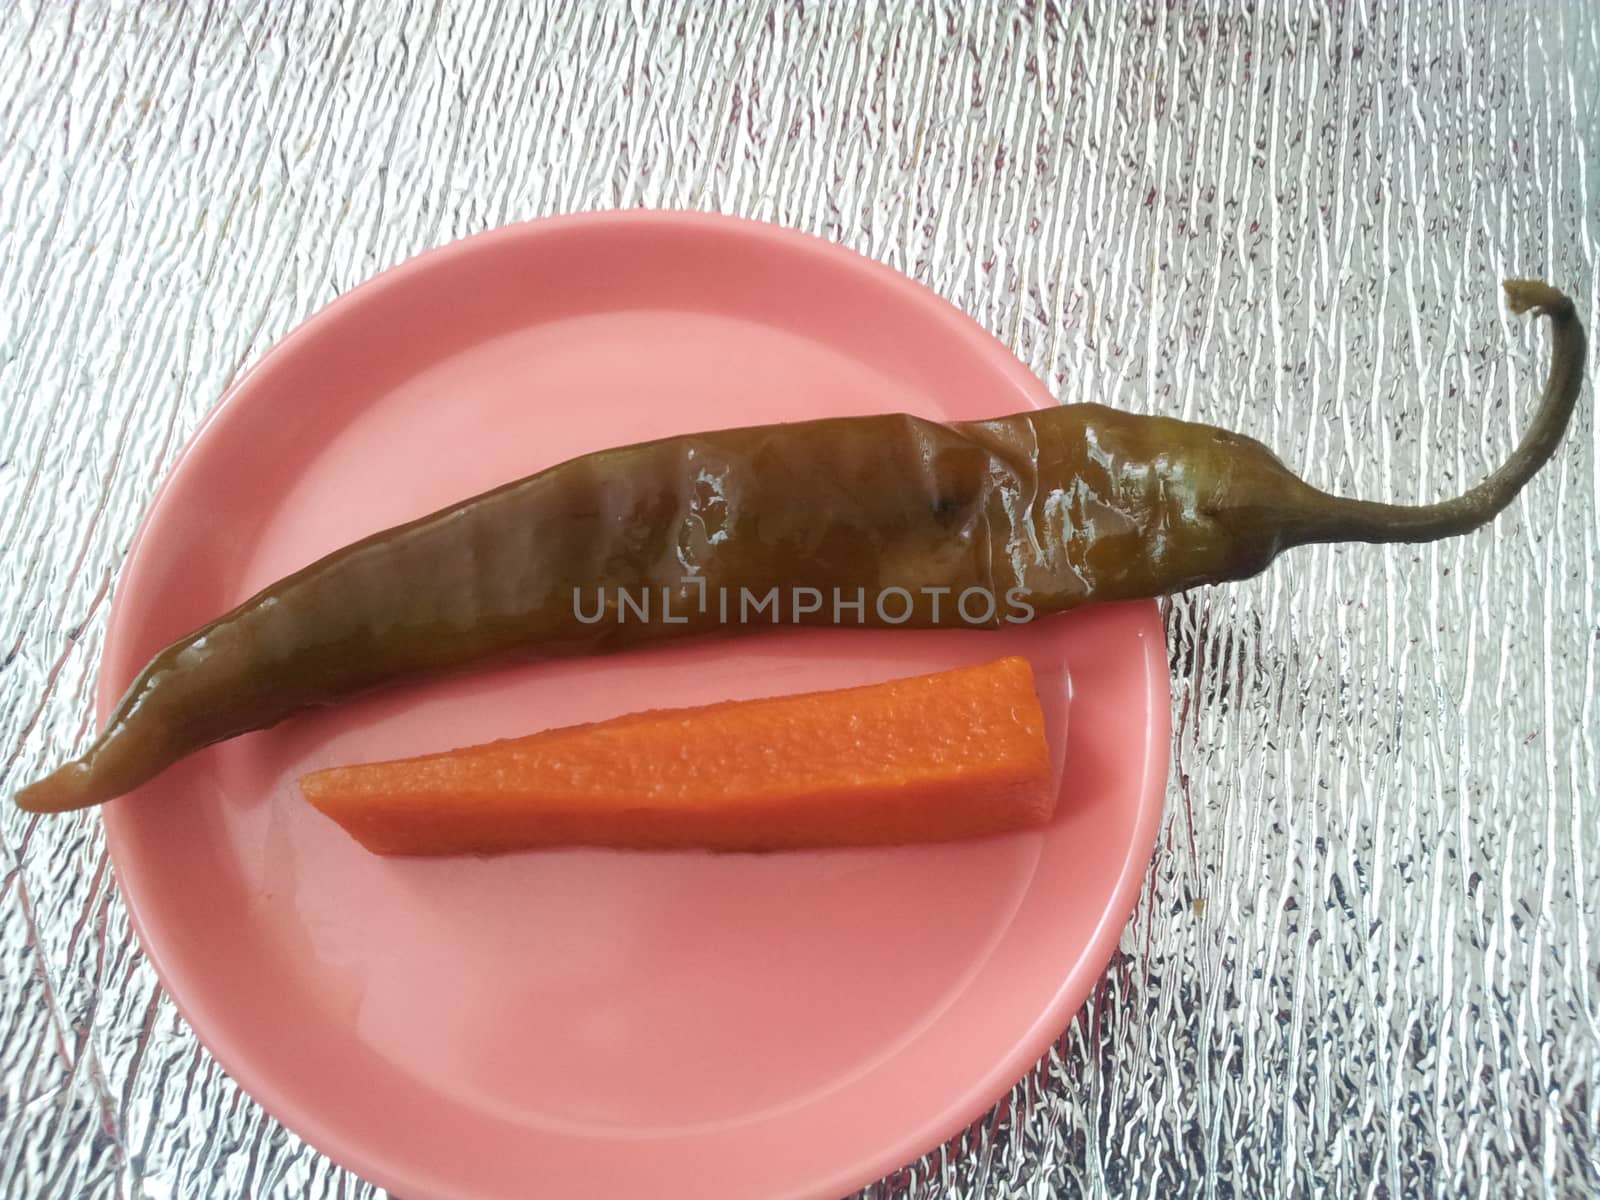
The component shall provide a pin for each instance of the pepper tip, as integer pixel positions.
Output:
(60, 791)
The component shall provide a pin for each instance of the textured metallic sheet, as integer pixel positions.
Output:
(1367, 957)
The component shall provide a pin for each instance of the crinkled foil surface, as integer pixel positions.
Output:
(1366, 960)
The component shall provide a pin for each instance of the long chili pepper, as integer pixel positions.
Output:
(1050, 509)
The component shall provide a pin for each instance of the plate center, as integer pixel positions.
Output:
(589, 989)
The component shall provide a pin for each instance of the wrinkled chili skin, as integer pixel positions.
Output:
(1071, 505)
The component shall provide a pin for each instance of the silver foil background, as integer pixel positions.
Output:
(1367, 957)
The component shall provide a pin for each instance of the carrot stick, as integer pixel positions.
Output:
(938, 757)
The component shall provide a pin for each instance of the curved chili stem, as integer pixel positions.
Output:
(1341, 519)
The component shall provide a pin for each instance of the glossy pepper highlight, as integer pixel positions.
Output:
(1074, 504)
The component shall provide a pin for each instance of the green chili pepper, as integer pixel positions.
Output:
(1047, 509)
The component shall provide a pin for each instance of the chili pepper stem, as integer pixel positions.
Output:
(1329, 518)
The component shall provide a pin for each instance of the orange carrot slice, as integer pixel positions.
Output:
(933, 758)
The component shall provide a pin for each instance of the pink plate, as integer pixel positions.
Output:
(589, 1023)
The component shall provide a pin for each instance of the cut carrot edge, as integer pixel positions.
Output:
(931, 758)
